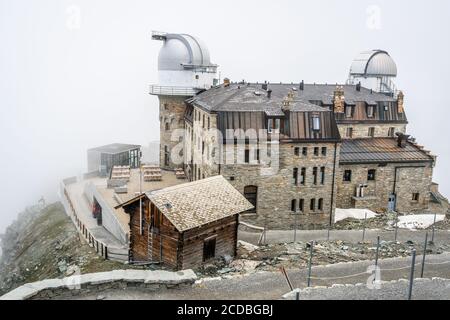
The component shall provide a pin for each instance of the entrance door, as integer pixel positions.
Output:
(391, 203)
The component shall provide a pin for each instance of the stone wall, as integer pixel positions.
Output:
(276, 192)
(362, 130)
(411, 178)
(97, 282)
(171, 117)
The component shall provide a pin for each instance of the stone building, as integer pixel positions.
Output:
(297, 151)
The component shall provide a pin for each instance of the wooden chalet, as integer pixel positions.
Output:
(185, 225)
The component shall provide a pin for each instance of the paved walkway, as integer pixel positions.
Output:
(352, 236)
(81, 205)
(268, 285)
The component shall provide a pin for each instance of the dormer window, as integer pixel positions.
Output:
(348, 111)
(316, 123)
(273, 125)
(370, 111)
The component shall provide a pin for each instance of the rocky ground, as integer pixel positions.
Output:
(42, 244)
(272, 257)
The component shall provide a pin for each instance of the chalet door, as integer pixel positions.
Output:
(209, 248)
(391, 203)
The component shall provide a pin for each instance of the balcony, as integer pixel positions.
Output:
(173, 91)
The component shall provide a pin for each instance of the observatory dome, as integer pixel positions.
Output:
(373, 63)
(181, 52)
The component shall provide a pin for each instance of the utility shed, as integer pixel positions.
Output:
(185, 225)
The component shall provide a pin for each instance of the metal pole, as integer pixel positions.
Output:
(378, 251)
(364, 226)
(311, 248)
(411, 276)
(295, 227)
(396, 227)
(424, 254)
(434, 222)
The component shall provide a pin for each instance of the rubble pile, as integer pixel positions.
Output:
(271, 257)
(385, 221)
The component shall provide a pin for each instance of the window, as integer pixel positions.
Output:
(415, 196)
(297, 151)
(166, 106)
(322, 175)
(349, 133)
(348, 111)
(372, 132)
(209, 248)
(320, 205)
(391, 132)
(316, 123)
(203, 147)
(295, 176)
(305, 151)
(303, 176)
(316, 151)
(273, 124)
(167, 126)
(209, 123)
(370, 111)
(371, 175)
(247, 156)
(312, 205)
(251, 194)
(348, 175)
(324, 151)
(166, 155)
(301, 205)
(315, 175)
(294, 205)
(203, 122)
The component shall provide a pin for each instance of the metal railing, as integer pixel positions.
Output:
(173, 91)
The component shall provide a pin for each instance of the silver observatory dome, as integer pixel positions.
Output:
(373, 63)
(183, 51)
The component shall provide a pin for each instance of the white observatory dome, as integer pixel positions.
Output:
(184, 67)
(373, 63)
(181, 52)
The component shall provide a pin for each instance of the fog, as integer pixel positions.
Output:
(75, 74)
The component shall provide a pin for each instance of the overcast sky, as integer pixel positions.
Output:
(75, 74)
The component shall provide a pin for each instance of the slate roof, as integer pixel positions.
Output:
(193, 204)
(380, 150)
(242, 97)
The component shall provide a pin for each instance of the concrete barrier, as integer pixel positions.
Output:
(96, 282)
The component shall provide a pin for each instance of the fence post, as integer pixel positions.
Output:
(295, 227)
(106, 253)
(311, 248)
(364, 226)
(434, 222)
(411, 276)
(378, 251)
(424, 255)
(396, 228)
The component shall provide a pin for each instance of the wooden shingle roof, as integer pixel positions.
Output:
(194, 204)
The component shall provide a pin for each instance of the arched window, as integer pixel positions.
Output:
(251, 194)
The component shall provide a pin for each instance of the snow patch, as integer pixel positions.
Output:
(418, 221)
(341, 214)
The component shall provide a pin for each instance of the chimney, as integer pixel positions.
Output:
(358, 86)
(339, 100)
(400, 100)
(402, 139)
(302, 85)
(269, 93)
(226, 82)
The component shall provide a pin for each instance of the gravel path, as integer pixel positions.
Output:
(267, 285)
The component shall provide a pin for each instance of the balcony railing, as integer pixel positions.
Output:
(172, 91)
